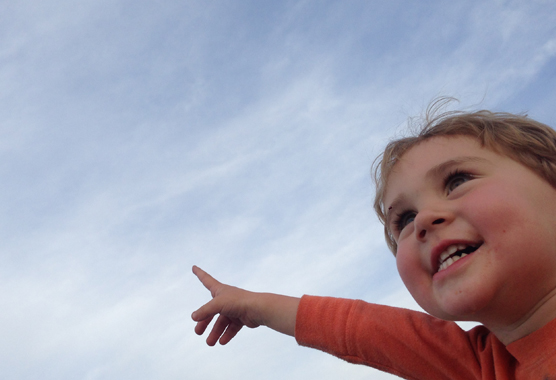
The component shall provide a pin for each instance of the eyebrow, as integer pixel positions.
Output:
(442, 168)
(434, 172)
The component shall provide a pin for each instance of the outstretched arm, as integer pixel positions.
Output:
(237, 308)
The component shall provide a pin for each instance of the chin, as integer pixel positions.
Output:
(456, 308)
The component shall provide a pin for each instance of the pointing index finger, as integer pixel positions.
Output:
(206, 279)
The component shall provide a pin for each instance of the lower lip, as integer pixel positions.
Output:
(438, 276)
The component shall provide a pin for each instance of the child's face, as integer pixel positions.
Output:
(448, 194)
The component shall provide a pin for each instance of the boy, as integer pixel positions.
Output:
(469, 209)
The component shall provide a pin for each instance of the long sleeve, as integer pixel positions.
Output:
(406, 343)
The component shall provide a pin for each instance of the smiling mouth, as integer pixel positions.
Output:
(455, 252)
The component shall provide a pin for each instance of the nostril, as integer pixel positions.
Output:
(439, 221)
(422, 234)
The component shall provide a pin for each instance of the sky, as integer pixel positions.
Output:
(139, 138)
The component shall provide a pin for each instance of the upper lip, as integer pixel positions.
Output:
(443, 245)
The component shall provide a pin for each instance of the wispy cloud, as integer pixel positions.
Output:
(139, 139)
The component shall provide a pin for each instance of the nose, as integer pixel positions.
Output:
(428, 221)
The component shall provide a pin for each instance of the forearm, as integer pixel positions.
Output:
(278, 312)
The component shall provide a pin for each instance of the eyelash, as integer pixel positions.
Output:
(400, 222)
(457, 173)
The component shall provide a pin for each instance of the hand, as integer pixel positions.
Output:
(236, 308)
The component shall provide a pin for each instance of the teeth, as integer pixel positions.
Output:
(450, 261)
(450, 251)
(445, 259)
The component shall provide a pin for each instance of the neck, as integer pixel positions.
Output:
(542, 313)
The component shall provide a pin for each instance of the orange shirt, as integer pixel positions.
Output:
(415, 345)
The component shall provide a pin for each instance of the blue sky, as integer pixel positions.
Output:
(139, 138)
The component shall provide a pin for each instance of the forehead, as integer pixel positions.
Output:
(419, 160)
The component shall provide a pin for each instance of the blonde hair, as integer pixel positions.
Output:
(520, 138)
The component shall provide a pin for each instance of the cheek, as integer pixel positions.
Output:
(494, 212)
(415, 278)
(410, 269)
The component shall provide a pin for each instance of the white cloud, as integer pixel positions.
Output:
(138, 140)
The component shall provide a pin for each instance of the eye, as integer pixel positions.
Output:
(456, 179)
(403, 219)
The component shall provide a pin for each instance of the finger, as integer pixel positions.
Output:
(218, 329)
(230, 332)
(206, 279)
(207, 311)
(201, 326)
